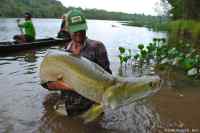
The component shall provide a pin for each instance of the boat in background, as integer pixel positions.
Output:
(11, 47)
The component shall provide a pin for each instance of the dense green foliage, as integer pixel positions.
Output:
(39, 8)
(185, 9)
(184, 30)
(185, 25)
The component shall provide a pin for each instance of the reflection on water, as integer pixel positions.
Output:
(22, 97)
(53, 122)
(20, 92)
(30, 57)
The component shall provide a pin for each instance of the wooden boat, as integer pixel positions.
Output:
(11, 47)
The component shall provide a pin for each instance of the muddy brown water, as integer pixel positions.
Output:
(178, 108)
(25, 107)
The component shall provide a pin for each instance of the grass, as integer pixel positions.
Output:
(186, 30)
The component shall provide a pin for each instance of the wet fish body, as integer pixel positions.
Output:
(93, 82)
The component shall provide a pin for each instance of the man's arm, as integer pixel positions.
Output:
(21, 25)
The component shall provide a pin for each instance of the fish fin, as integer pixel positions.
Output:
(109, 96)
(92, 114)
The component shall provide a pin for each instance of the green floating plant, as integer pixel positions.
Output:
(124, 56)
(183, 56)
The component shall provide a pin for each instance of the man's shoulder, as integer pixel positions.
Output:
(94, 43)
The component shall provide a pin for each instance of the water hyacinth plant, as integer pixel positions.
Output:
(184, 57)
(124, 56)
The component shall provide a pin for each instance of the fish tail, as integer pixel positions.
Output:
(92, 114)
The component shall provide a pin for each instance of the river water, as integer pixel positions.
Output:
(22, 97)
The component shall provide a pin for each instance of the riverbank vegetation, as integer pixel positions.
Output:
(161, 56)
(185, 24)
(181, 51)
(187, 31)
(151, 22)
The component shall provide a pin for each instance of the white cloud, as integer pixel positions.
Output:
(129, 6)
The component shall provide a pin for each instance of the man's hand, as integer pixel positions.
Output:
(58, 86)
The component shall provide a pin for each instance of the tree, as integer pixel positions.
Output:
(185, 9)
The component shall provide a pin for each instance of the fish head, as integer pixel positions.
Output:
(55, 84)
(129, 90)
(54, 72)
(65, 70)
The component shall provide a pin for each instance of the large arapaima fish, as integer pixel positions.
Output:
(93, 82)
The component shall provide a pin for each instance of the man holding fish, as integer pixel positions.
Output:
(81, 46)
(84, 75)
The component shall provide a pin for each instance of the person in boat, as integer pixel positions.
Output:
(29, 29)
(81, 45)
(64, 32)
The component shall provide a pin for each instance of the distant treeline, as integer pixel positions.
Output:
(106, 15)
(38, 8)
(54, 9)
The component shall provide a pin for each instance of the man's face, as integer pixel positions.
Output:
(26, 18)
(78, 37)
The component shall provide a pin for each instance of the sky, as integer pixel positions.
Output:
(128, 6)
